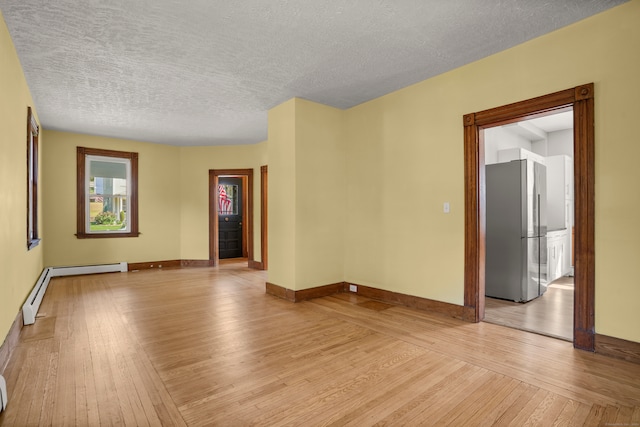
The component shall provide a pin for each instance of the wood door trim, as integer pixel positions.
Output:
(245, 236)
(264, 215)
(581, 99)
(214, 249)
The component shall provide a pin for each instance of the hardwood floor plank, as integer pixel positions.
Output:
(518, 415)
(566, 414)
(207, 346)
(594, 418)
(548, 411)
(489, 408)
(415, 408)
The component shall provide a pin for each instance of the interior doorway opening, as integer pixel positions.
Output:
(530, 286)
(236, 208)
(581, 99)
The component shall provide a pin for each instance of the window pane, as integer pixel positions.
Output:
(227, 199)
(108, 192)
(32, 181)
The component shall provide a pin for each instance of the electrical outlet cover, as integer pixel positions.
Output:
(3, 394)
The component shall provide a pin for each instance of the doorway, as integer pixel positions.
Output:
(543, 144)
(581, 99)
(231, 239)
(237, 231)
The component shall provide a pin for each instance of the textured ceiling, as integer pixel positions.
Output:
(205, 72)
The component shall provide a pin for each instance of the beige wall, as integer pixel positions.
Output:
(405, 159)
(307, 195)
(320, 195)
(173, 200)
(19, 268)
(158, 203)
(282, 188)
(195, 163)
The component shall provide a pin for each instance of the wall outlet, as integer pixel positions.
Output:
(353, 288)
(3, 394)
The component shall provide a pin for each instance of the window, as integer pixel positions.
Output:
(227, 199)
(107, 193)
(33, 237)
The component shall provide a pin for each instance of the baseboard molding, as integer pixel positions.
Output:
(304, 294)
(618, 348)
(196, 263)
(425, 304)
(10, 342)
(133, 266)
(174, 263)
(256, 265)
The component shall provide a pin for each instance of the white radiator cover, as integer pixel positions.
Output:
(31, 306)
(3, 394)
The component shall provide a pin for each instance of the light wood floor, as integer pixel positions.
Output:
(207, 346)
(551, 314)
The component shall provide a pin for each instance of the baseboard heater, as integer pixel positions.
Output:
(31, 306)
(3, 394)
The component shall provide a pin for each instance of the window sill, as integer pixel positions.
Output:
(106, 235)
(33, 243)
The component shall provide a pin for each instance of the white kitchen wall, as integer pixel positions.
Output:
(497, 138)
(560, 142)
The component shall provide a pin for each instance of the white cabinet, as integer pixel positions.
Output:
(557, 251)
(560, 209)
(559, 192)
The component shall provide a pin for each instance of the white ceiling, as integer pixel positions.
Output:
(205, 72)
(538, 128)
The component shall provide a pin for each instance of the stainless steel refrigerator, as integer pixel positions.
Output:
(516, 230)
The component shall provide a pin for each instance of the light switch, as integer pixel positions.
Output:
(445, 207)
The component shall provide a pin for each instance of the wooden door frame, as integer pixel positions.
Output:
(581, 99)
(247, 211)
(264, 215)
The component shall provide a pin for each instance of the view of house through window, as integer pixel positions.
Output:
(108, 194)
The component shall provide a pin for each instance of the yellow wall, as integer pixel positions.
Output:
(320, 195)
(282, 188)
(173, 200)
(158, 203)
(195, 163)
(405, 159)
(19, 268)
(307, 195)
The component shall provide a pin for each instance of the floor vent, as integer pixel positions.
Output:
(3, 394)
(31, 306)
